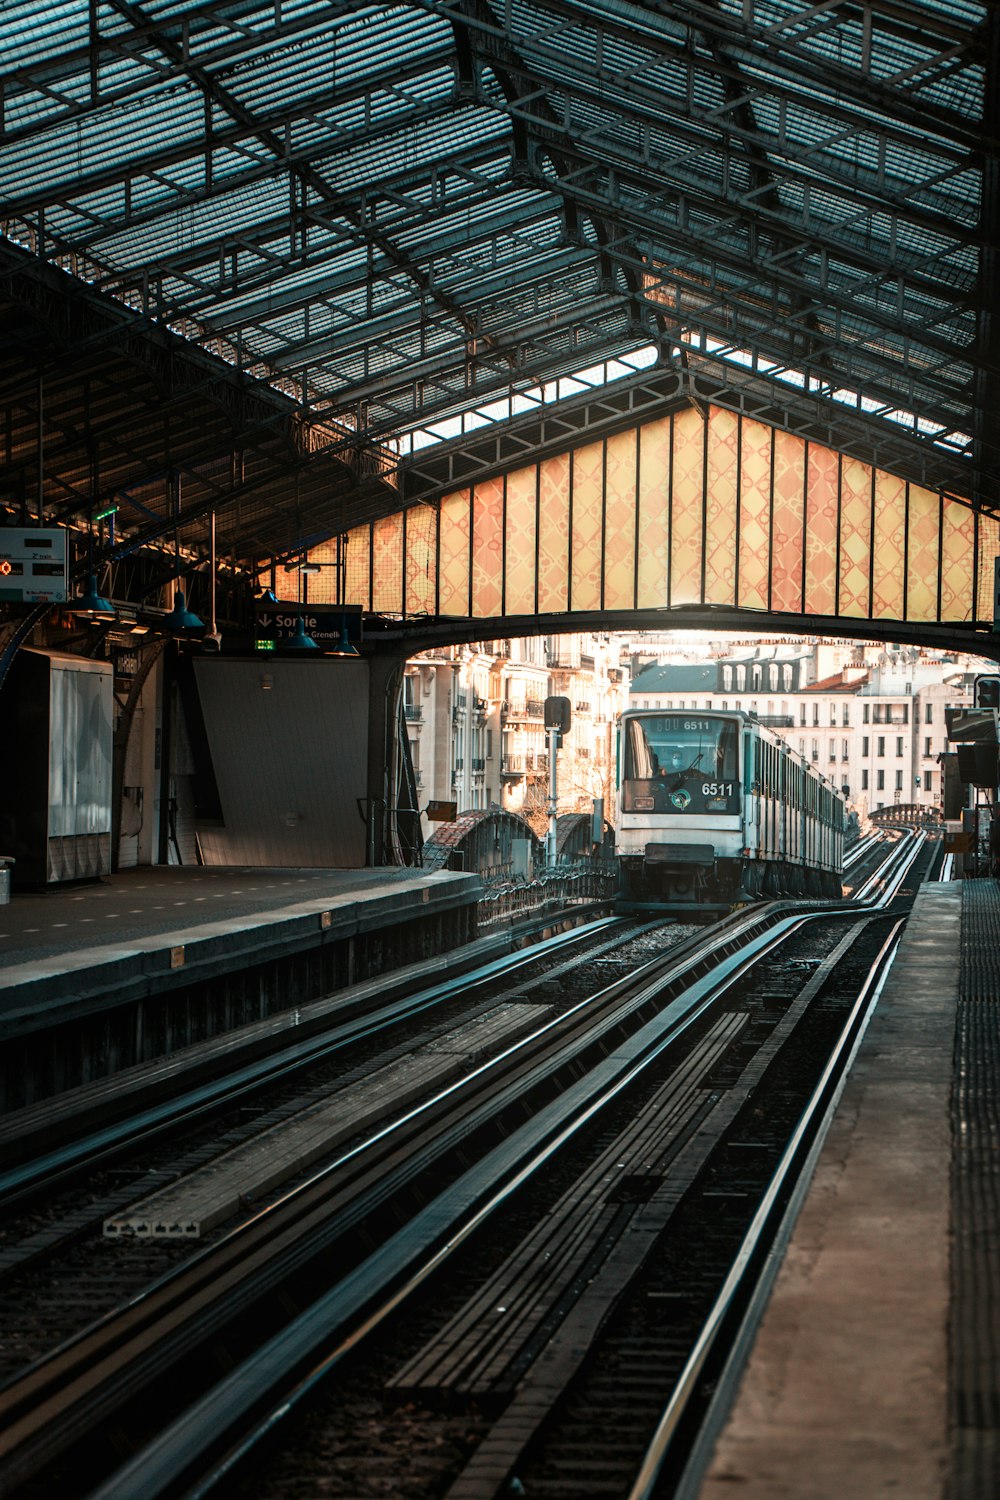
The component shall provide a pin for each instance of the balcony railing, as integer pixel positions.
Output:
(531, 708)
(523, 765)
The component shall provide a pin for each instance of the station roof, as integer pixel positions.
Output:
(354, 222)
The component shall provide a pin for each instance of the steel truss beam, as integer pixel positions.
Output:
(609, 177)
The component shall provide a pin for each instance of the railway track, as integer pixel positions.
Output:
(306, 1278)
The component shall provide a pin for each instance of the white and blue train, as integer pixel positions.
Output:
(715, 810)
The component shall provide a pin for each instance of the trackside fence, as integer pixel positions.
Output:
(510, 900)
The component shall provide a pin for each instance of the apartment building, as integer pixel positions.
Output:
(475, 719)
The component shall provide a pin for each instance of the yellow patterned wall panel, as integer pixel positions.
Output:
(889, 551)
(653, 501)
(357, 575)
(755, 514)
(421, 560)
(553, 534)
(619, 521)
(454, 524)
(687, 493)
(764, 519)
(988, 532)
(387, 565)
(855, 538)
(923, 518)
(519, 551)
(787, 524)
(487, 548)
(822, 500)
(721, 538)
(958, 541)
(588, 533)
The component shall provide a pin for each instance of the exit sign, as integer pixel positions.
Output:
(33, 564)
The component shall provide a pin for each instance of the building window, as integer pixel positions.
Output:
(845, 750)
(899, 744)
(865, 712)
(899, 781)
(832, 749)
(865, 742)
(880, 781)
(756, 675)
(927, 745)
(727, 678)
(741, 679)
(815, 749)
(880, 745)
(786, 676)
(802, 714)
(928, 713)
(815, 713)
(864, 780)
(845, 714)
(833, 715)
(772, 675)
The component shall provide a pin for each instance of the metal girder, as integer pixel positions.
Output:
(789, 184)
(551, 429)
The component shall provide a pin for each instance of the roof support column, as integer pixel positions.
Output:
(385, 681)
(987, 382)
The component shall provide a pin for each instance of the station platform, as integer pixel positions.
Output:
(99, 976)
(875, 1370)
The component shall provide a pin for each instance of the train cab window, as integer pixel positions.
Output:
(680, 761)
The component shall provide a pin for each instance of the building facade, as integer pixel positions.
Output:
(475, 719)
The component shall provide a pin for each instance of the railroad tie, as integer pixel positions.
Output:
(192, 1206)
(478, 1355)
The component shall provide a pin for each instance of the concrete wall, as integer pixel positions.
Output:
(289, 747)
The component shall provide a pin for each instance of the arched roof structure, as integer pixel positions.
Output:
(256, 254)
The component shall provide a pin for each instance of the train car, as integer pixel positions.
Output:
(714, 810)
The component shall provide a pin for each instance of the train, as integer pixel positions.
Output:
(714, 811)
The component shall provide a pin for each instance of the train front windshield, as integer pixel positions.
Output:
(679, 763)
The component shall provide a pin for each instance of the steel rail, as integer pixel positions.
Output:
(67, 1390)
(362, 1301)
(765, 1241)
(59, 1399)
(97, 1145)
(175, 1455)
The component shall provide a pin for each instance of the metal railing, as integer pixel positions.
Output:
(508, 900)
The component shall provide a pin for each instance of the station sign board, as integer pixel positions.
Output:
(276, 620)
(33, 564)
(442, 812)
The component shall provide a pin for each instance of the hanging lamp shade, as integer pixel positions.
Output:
(92, 603)
(343, 646)
(299, 641)
(180, 617)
